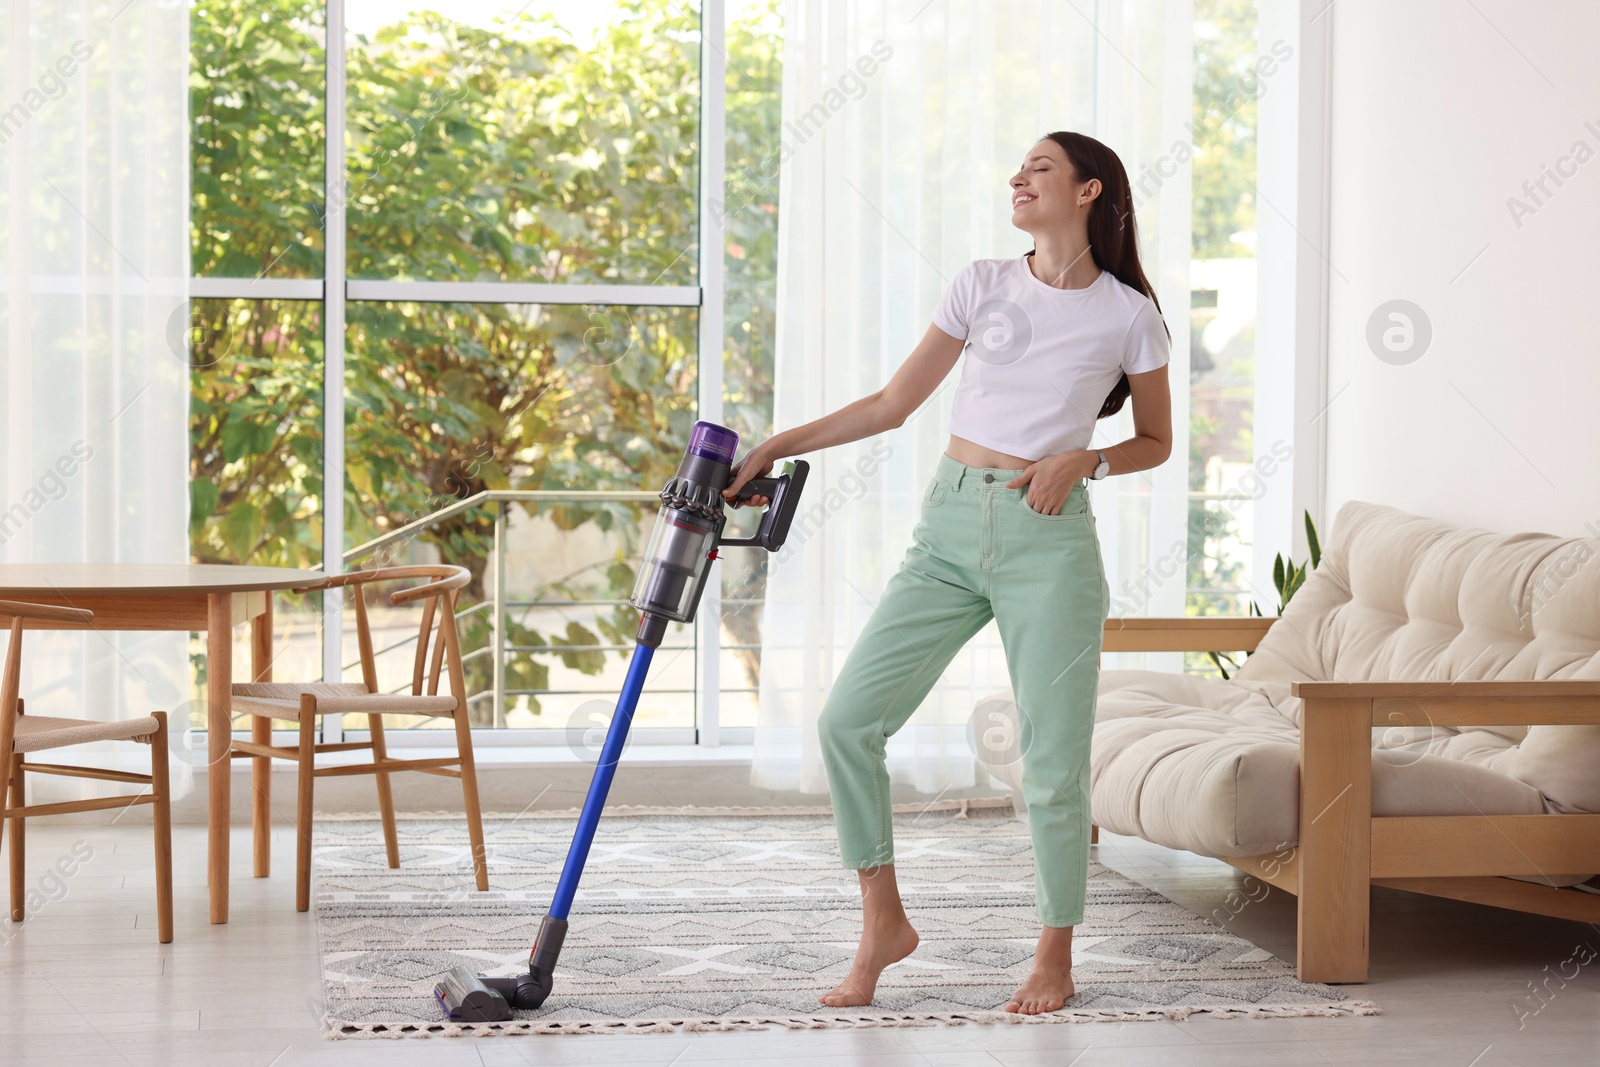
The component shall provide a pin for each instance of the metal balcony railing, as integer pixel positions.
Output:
(497, 605)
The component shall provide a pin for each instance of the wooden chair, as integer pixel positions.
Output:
(438, 645)
(22, 734)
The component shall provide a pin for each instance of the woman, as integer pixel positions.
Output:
(1059, 337)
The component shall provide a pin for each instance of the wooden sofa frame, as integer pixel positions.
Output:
(1343, 849)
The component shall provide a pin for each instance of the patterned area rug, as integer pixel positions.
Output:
(731, 920)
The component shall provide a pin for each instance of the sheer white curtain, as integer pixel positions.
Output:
(94, 152)
(902, 123)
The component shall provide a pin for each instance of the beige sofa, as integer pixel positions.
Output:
(1425, 715)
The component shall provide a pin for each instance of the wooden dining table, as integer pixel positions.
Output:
(202, 598)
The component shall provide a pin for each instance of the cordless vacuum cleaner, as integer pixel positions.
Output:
(677, 562)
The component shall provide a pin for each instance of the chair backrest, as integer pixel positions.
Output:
(438, 642)
(13, 612)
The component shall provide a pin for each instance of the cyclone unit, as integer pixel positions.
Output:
(672, 577)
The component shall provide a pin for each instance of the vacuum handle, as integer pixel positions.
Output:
(783, 496)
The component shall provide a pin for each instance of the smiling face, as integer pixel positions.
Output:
(1046, 192)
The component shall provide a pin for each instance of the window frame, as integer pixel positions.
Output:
(335, 289)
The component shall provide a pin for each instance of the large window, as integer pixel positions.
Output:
(524, 305)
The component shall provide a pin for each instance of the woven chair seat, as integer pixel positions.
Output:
(281, 700)
(38, 732)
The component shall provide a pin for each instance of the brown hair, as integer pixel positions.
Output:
(1113, 236)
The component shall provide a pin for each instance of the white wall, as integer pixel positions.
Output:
(1441, 110)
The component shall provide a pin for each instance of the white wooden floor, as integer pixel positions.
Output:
(83, 981)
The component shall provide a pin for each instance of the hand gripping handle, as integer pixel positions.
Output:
(783, 496)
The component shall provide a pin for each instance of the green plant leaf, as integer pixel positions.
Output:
(589, 661)
(1217, 659)
(203, 498)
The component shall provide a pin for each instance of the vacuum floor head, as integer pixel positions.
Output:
(467, 998)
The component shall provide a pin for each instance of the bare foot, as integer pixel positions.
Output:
(881, 945)
(1043, 991)
(1050, 984)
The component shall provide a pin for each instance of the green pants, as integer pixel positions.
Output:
(979, 552)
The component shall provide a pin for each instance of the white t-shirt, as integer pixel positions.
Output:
(1040, 361)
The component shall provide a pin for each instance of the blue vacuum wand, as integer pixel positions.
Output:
(677, 562)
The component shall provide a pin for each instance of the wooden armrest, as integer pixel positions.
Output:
(1362, 690)
(1561, 702)
(1191, 633)
(337, 581)
(16, 609)
(447, 577)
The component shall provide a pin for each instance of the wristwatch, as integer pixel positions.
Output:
(1103, 469)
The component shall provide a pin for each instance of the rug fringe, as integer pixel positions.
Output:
(340, 1030)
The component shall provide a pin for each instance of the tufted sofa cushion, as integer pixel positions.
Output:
(1398, 596)
(1212, 766)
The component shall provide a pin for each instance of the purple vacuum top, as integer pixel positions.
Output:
(713, 442)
